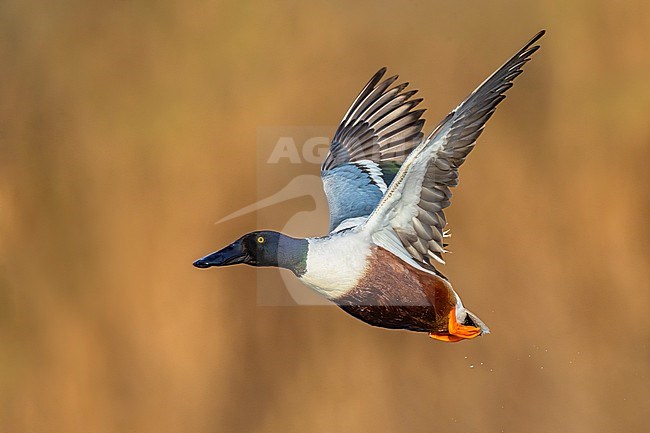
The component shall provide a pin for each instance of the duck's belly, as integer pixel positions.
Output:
(412, 318)
(394, 294)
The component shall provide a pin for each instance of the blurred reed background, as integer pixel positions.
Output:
(128, 128)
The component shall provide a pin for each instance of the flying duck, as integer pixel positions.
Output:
(387, 187)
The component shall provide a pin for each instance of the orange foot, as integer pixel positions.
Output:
(456, 331)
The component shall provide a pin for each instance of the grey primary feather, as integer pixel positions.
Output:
(374, 138)
(380, 124)
(457, 133)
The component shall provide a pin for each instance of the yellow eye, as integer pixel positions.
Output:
(260, 239)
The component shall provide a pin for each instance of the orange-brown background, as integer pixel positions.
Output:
(128, 128)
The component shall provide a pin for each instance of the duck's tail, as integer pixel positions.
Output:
(477, 322)
(469, 326)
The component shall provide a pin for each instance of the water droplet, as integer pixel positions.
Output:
(541, 368)
(471, 366)
(481, 363)
(491, 370)
(465, 356)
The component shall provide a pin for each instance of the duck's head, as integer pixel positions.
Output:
(260, 248)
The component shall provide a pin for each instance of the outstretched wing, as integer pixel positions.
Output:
(413, 207)
(374, 138)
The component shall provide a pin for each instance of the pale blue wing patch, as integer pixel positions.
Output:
(353, 190)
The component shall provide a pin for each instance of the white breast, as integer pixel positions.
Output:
(336, 264)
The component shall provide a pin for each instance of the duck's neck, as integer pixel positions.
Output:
(292, 254)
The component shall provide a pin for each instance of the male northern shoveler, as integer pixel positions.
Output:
(387, 188)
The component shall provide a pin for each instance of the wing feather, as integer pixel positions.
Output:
(379, 130)
(413, 206)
